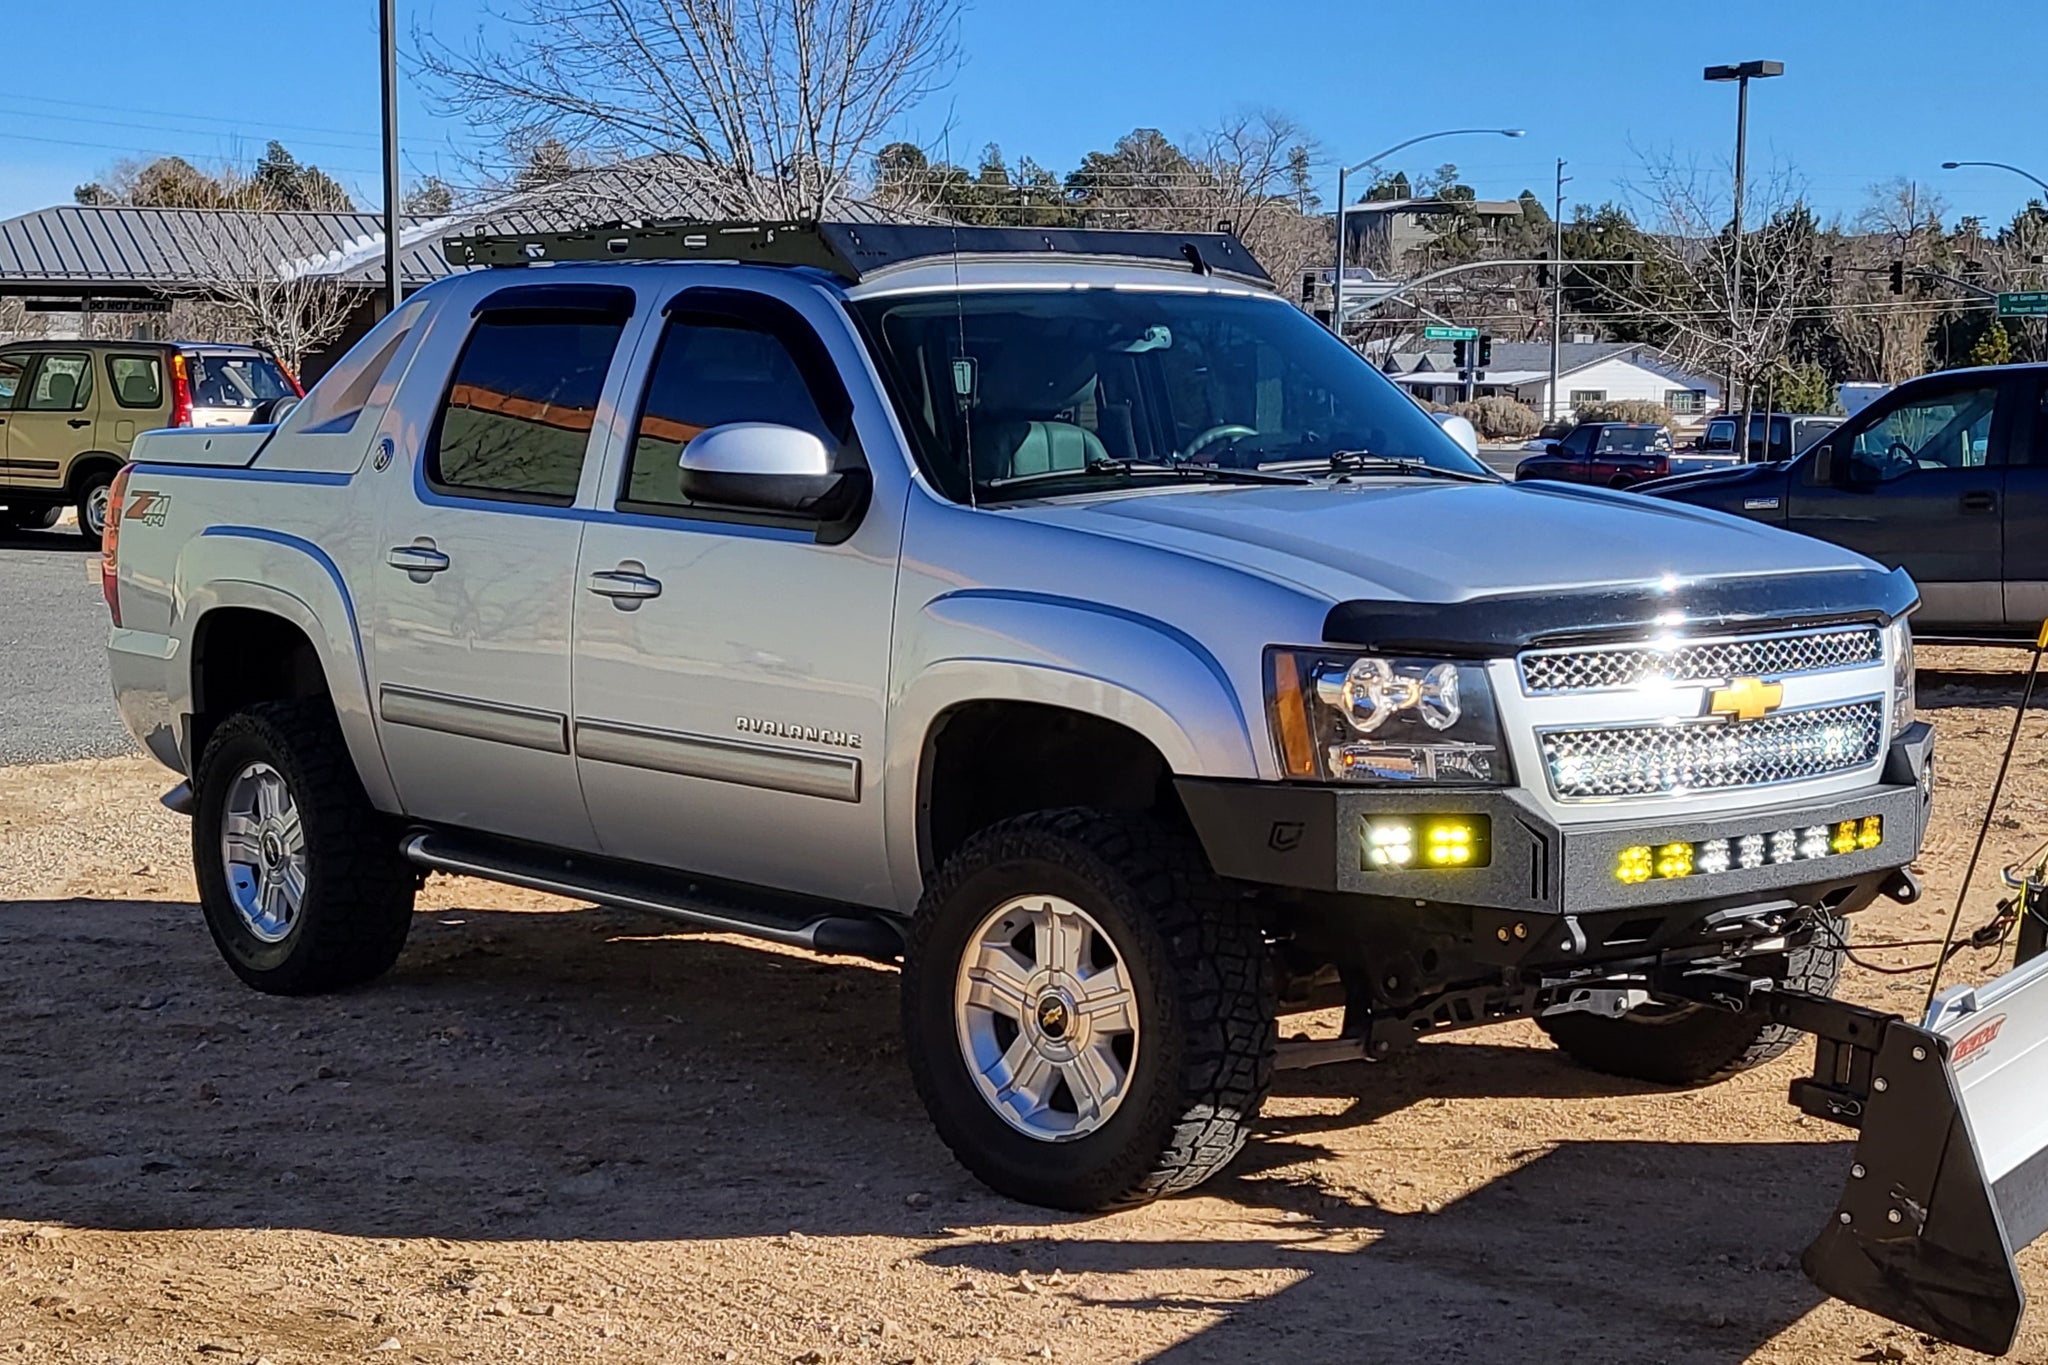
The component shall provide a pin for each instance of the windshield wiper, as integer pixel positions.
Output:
(1365, 462)
(1198, 472)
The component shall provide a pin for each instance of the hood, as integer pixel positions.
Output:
(1725, 476)
(1429, 541)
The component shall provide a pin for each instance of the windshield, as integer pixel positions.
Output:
(227, 380)
(1100, 384)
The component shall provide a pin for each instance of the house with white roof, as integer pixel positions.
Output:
(1588, 372)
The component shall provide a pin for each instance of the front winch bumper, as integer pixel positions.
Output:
(1321, 839)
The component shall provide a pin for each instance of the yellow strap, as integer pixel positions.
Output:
(2041, 640)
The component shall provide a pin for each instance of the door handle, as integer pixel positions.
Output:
(627, 588)
(422, 559)
(77, 422)
(1980, 502)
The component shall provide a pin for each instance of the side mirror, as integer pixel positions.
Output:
(764, 467)
(1459, 429)
(1554, 448)
(272, 411)
(1820, 466)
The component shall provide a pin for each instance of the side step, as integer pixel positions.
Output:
(800, 921)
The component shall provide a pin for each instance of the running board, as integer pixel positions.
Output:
(799, 921)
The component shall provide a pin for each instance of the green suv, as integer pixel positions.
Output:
(70, 410)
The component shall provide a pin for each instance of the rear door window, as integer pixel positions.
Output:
(517, 417)
(227, 380)
(137, 380)
(62, 383)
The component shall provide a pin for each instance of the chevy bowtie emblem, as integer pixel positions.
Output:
(1746, 699)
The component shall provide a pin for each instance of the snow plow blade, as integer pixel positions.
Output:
(1950, 1175)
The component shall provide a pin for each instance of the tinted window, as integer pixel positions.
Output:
(1950, 430)
(63, 383)
(235, 381)
(138, 380)
(712, 371)
(13, 369)
(517, 418)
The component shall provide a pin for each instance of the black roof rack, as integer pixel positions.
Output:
(851, 251)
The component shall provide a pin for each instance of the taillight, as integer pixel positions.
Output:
(110, 574)
(289, 378)
(181, 391)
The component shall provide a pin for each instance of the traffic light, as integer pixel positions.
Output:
(1827, 272)
(1543, 277)
(1485, 351)
(1308, 288)
(1898, 277)
(1459, 354)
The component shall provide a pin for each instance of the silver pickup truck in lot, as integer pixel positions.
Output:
(1068, 617)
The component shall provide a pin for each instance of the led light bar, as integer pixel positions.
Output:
(1805, 843)
(1419, 843)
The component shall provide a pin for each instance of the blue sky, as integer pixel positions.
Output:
(1872, 90)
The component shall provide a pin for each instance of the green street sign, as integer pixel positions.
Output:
(1472, 333)
(2033, 304)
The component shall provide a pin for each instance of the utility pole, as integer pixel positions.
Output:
(394, 287)
(1556, 293)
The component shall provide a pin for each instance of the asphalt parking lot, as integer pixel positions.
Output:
(55, 702)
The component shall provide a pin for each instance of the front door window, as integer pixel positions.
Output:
(1950, 430)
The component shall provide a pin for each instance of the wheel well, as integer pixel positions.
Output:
(241, 657)
(86, 464)
(987, 761)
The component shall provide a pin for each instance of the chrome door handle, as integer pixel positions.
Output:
(625, 586)
(416, 559)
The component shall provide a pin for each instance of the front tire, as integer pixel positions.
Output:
(1696, 1045)
(300, 879)
(1087, 1010)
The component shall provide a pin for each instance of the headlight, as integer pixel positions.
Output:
(1899, 644)
(1368, 718)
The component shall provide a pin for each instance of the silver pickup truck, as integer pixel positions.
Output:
(1068, 617)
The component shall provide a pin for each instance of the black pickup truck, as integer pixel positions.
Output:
(1946, 476)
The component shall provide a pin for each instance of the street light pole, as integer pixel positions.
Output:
(1344, 172)
(1742, 74)
(394, 287)
(1556, 295)
(1997, 165)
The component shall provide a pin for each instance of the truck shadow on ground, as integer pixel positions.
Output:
(62, 540)
(587, 1075)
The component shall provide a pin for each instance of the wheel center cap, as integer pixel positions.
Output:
(273, 850)
(1054, 1015)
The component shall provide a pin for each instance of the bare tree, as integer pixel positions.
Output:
(1717, 320)
(781, 102)
(248, 290)
(1881, 335)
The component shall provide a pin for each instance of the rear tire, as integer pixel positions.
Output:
(1167, 1021)
(1696, 1045)
(93, 493)
(300, 878)
(32, 518)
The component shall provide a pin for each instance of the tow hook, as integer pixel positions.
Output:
(1904, 887)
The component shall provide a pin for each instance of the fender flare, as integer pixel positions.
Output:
(86, 460)
(993, 646)
(260, 569)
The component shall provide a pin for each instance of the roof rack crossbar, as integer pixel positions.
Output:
(850, 251)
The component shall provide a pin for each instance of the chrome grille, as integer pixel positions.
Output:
(1603, 668)
(1712, 755)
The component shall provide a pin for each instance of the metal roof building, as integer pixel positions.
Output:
(80, 253)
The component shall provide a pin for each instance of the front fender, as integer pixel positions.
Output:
(995, 645)
(291, 578)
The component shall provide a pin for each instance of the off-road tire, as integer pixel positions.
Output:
(91, 484)
(1696, 1045)
(1196, 957)
(357, 907)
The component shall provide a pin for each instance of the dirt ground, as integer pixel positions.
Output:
(564, 1134)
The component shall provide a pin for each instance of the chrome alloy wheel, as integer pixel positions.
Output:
(263, 849)
(96, 503)
(1047, 1019)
